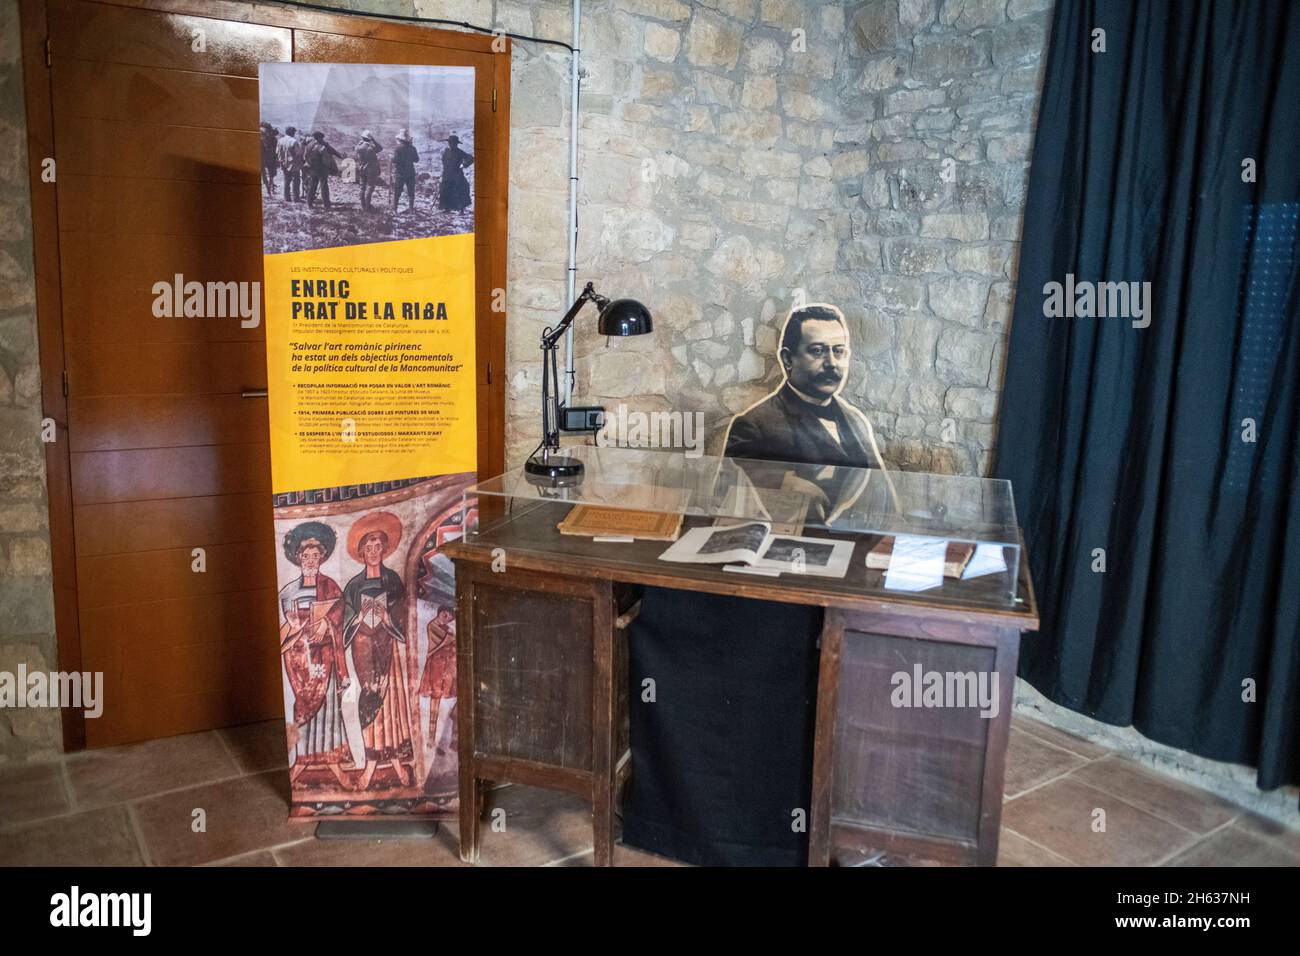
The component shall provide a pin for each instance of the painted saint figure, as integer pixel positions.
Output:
(311, 648)
(454, 191)
(438, 682)
(374, 608)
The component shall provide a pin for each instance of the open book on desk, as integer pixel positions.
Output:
(753, 545)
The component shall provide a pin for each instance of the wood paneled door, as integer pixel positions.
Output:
(150, 110)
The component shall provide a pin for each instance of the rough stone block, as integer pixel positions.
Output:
(915, 15)
(962, 356)
(914, 257)
(959, 299)
(898, 295)
(911, 101)
(759, 93)
(966, 226)
(917, 336)
(876, 26)
(968, 14)
(1019, 42)
(945, 56)
(985, 258)
(786, 14)
(884, 72)
(660, 42)
(672, 10)
(713, 42)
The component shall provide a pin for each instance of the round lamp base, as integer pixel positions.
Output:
(557, 471)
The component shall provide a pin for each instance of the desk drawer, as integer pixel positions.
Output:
(917, 769)
(533, 665)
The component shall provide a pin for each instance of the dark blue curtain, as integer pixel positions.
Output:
(1171, 451)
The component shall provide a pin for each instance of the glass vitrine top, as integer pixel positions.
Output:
(848, 501)
(813, 532)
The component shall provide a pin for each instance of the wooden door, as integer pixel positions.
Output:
(151, 112)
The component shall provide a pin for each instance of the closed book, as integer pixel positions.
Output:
(954, 560)
(596, 522)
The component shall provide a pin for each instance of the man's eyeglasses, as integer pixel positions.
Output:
(819, 351)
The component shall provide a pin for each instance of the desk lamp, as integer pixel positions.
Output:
(547, 466)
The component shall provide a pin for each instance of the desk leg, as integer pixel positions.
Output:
(471, 788)
(828, 676)
(995, 749)
(602, 731)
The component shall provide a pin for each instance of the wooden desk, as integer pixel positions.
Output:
(543, 676)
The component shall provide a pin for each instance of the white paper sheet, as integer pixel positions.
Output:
(916, 563)
(987, 559)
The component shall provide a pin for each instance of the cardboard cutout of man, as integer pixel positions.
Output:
(805, 422)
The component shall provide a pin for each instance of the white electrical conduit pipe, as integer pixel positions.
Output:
(574, 77)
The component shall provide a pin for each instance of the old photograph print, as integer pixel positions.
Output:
(744, 537)
(350, 155)
(786, 550)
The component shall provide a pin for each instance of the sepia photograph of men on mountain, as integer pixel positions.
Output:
(359, 160)
(270, 138)
(454, 191)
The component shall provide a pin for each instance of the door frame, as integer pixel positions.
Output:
(38, 95)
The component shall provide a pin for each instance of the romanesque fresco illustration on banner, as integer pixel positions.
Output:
(368, 236)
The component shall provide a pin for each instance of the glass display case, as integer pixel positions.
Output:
(907, 535)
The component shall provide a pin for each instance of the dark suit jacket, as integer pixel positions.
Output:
(781, 428)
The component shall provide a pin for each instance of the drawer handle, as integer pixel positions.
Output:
(253, 393)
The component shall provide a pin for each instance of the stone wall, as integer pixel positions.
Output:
(941, 99)
(737, 153)
(706, 190)
(26, 597)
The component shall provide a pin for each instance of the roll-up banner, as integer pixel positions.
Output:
(368, 240)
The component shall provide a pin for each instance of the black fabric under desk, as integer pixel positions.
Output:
(722, 758)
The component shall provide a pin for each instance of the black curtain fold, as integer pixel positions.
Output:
(1130, 440)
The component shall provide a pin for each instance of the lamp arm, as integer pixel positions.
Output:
(550, 374)
(551, 336)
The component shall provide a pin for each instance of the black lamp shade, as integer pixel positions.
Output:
(625, 317)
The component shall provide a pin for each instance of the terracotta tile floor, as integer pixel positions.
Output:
(135, 805)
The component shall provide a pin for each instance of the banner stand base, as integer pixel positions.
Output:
(376, 829)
